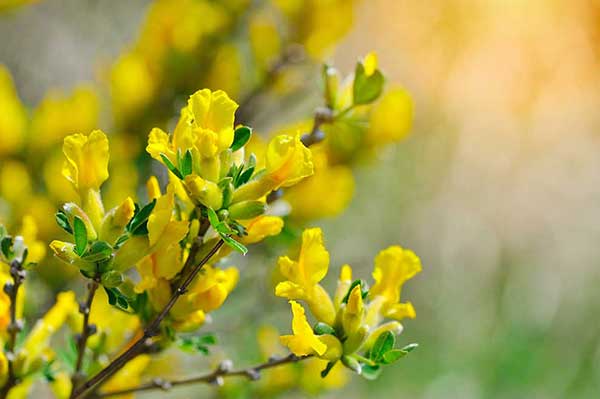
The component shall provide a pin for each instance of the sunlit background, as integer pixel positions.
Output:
(497, 189)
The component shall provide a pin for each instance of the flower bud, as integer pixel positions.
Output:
(247, 209)
(204, 191)
(66, 252)
(112, 279)
(392, 326)
(334, 347)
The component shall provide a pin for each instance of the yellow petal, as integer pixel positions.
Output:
(370, 63)
(158, 143)
(314, 258)
(87, 160)
(303, 341)
(261, 227)
(393, 266)
(288, 161)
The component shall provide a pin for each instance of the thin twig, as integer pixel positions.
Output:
(293, 54)
(12, 289)
(152, 329)
(86, 331)
(216, 376)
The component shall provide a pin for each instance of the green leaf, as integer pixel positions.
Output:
(363, 287)
(116, 298)
(240, 137)
(370, 372)
(234, 244)
(327, 369)
(138, 222)
(197, 343)
(366, 89)
(98, 251)
(393, 355)
(47, 371)
(186, 164)
(244, 177)
(410, 347)
(80, 235)
(322, 329)
(121, 240)
(63, 221)
(170, 166)
(6, 247)
(212, 217)
(384, 343)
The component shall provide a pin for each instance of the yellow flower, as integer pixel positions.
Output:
(131, 84)
(13, 118)
(164, 234)
(287, 162)
(303, 276)
(39, 337)
(128, 377)
(394, 266)
(391, 117)
(209, 118)
(15, 182)
(207, 293)
(87, 160)
(58, 115)
(116, 219)
(335, 183)
(304, 341)
(261, 227)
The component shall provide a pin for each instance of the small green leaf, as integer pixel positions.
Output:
(410, 347)
(137, 224)
(370, 372)
(234, 244)
(170, 166)
(327, 369)
(80, 235)
(197, 343)
(111, 279)
(393, 355)
(121, 240)
(322, 329)
(363, 286)
(116, 298)
(384, 343)
(63, 221)
(366, 89)
(212, 217)
(186, 164)
(244, 177)
(6, 246)
(240, 137)
(98, 251)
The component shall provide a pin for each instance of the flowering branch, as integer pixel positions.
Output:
(18, 275)
(86, 331)
(153, 328)
(215, 377)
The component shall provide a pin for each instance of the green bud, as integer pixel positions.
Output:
(111, 279)
(356, 339)
(352, 364)
(71, 210)
(247, 209)
(331, 81)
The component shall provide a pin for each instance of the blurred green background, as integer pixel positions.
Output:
(497, 189)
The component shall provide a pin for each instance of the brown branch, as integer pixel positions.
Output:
(86, 331)
(216, 376)
(152, 329)
(12, 289)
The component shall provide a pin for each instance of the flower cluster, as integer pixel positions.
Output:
(351, 327)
